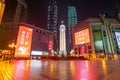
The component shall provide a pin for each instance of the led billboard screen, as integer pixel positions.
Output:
(118, 38)
(82, 37)
(36, 53)
(24, 40)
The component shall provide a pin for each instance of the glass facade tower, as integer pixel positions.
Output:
(72, 19)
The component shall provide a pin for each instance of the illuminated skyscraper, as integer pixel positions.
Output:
(72, 19)
(15, 11)
(52, 16)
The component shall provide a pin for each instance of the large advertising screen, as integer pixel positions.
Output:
(82, 37)
(118, 38)
(36, 53)
(24, 40)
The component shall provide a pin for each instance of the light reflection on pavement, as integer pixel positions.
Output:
(60, 70)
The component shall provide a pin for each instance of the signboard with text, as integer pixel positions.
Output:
(82, 37)
(24, 40)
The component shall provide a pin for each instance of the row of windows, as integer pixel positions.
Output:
(41, 32)
(8, 27)
(11, 27)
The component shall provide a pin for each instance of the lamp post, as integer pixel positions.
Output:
(12, 47)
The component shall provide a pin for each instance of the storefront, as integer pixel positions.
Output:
(98, 40)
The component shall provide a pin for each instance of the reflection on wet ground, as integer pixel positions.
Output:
(60, 70)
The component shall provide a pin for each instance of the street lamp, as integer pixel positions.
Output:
(12, 46)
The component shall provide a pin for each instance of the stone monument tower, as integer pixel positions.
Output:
(62, 40)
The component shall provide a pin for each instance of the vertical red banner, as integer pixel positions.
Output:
(23, 46)
(82, 50)
(50, 45)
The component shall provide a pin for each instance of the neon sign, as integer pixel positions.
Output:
(50, 45)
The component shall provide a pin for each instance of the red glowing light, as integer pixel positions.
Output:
(50, 45)
(82, 50)
(2, 1)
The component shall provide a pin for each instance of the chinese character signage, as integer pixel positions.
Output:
(24, 40)
(50, 45)
(82, 37)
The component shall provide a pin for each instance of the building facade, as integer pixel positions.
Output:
(30, 40)
(15, 11)
(97, 38)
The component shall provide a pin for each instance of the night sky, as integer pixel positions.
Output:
(85, 9)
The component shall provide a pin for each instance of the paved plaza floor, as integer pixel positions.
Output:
(60, 70)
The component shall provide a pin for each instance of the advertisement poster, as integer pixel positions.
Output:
(118, 38)
(82, 37)
(23, 46)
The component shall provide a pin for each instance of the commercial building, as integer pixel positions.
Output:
(29, 41)
(15, 11)
(97, 37)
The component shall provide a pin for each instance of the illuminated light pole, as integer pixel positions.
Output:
(12, 46)
(62, 41)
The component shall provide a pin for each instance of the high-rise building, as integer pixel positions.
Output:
(15, 11)
(72, 19)
(52, 20)
(52, 16)
(2, 6)
(27, 40)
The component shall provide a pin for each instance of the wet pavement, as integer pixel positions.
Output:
(60, 70)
